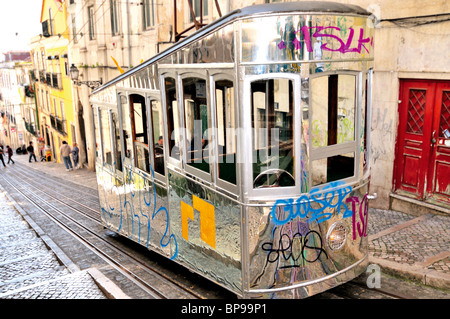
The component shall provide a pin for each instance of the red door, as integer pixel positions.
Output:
(422, 162)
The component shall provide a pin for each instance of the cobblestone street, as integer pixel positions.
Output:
(29, 270)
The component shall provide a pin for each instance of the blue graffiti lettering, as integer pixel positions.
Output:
(127, 203)
(317, 205)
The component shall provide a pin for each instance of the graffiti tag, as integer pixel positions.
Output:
(307, 33)
(316, 205)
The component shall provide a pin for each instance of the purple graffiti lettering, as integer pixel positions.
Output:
(361, 228)
(320, 32)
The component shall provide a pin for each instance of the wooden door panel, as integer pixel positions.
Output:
(410, 177)
(439, 175)
(414, 132)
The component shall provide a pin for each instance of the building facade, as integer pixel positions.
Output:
(53, 86)
(18, 118)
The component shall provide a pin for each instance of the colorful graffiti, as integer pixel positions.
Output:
(316, 205)
(307, 33)
(363, 215)
(207, 220)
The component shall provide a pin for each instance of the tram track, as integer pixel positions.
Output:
(106, 249)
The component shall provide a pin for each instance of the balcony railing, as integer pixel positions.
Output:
(31, 127)
(51, 79)
(56, 81)
(58, 124)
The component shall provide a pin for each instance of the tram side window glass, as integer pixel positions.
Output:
(157, 126)
(126, 125)
(116, 141)
(196, 117)
(106, 137)
(97, 135)
(139, 129)
(226, 130)
(272, 105)
(173, 124)
(333, 107)
(366, 123)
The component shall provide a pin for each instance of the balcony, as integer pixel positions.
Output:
(51, 79)
(58, 124)
(30, 127)
(56, 81)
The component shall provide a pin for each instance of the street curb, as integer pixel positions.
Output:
(425, 276)
(110, 289)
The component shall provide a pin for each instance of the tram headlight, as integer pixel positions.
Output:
(336, 236)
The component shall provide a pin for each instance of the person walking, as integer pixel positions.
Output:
(75, 155)
(1, 155)
(64, 152)
(30, 149)
(10, 154)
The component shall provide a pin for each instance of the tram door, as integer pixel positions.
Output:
(423, 152)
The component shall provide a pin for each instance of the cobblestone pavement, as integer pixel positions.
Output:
(29, 270)
(415, 247)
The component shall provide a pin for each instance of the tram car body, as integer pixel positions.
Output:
(241, 152)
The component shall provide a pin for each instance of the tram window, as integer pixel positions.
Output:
(332, 168)
(196, 117)
(139, 131)
(272, 125)
(333, 107)
(173, 124)
(116, 141)
(106, 136)
(226, 131)
(157, 126)
(126, 126)
(97, 135)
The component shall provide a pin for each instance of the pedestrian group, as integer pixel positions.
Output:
(65, 151)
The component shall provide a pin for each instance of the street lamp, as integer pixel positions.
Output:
(75, 73)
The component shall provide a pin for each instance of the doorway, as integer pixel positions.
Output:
(422, 161)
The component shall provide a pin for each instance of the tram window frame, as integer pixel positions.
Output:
(97, 135)
(101, 137)
(204, 151)
(335, 153)
(116, 140)
(172, 137)
(367, 120)
(106, 156)
(140, 138)
(226, 132)
(249, 138)
(125, 139)
(157, 159)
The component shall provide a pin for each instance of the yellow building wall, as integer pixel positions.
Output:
(57, 45)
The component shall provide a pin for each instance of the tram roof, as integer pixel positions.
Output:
(260, 9)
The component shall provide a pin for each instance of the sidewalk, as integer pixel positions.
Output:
(416, 248)
(32, 266)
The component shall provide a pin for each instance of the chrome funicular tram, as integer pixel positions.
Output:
(242, 152)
